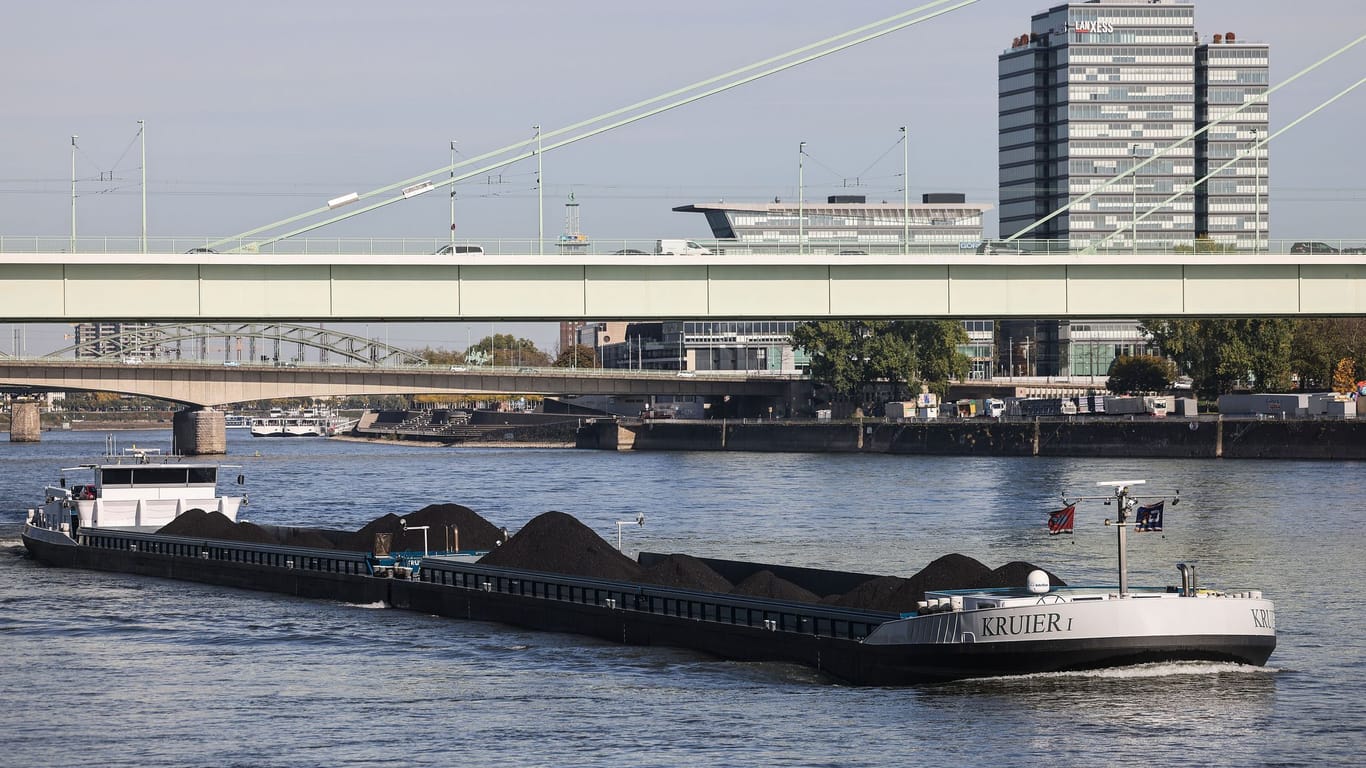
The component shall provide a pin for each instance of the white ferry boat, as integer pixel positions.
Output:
(236, 421)
(309, 422)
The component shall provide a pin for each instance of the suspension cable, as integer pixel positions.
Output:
(1261, 143)
(615, 113)
(1260, 99)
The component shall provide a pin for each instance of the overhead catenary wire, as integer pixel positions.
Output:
(1260, 99)
(863, 38)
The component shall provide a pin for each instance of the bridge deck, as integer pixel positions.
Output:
(56, 287)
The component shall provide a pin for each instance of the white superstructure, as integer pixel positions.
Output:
(136, 490)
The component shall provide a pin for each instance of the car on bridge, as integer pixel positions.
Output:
(1312, 248)
(460, 250)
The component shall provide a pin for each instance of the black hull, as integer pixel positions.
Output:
(848, 659)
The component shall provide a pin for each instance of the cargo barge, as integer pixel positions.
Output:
(952, 634)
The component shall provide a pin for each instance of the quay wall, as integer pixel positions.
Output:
(1118, 438)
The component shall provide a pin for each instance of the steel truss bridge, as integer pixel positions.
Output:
(239, 341)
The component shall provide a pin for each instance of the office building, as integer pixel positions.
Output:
(1096, 87)
(1093, 89)
(845, 223)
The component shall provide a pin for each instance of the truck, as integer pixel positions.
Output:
(674, 247)
(988, 407)
(1151, 405)
(1044, 406)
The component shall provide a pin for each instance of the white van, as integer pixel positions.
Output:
(461, 250)
(680, 248)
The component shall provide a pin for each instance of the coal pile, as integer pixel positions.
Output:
(952, 571)
(765, 584)
(473, 531)
(684, 572)
(1014, 574)
(198, 524)
(892, 594)
(558, 543)
(307, 537)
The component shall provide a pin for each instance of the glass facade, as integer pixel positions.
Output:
(853, 227)
(1231, 209)
(1097, 87)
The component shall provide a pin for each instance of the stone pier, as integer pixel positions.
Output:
(199, 432)
(25, 424)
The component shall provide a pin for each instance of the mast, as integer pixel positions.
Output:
(1125, 502)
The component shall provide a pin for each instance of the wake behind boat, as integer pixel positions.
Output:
(558, 575)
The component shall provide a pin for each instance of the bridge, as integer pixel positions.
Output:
(205, 385)
(57, 287)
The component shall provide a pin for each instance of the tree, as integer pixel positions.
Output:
(936, 348)
(506, 350)
(1141, 373)
(577, 356)
(1344, 378)
(1221, 355)
(1319, 345)
(442, 356)
(850, 356)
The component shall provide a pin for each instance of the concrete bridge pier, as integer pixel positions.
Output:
(199, 432)
(25, 424)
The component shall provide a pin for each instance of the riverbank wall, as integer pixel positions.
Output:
(1138, 438)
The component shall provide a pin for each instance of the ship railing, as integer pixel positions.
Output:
(758, 613)
(246, 553)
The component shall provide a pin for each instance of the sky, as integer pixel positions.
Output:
(256, 111)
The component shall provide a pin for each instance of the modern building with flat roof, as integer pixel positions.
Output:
(847, 223)
(1099, 86)
(1095, 88)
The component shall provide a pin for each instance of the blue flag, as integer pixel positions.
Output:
(1150, 518)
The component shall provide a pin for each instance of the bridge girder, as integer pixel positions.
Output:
(196, 384)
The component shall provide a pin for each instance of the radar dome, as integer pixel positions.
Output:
(1038, 582)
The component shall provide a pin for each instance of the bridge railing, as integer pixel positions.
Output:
(415, 246)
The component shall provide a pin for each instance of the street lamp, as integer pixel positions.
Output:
(452, 197)
(142, 134)
(403, 525)
(640, 521)
(905, 191)
(73, 194)
(540, 197)
(1256, 195)
(801, 198)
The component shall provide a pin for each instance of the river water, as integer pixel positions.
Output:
(115, 670)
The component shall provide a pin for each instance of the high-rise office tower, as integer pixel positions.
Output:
(1097, 86)
(1094, 88)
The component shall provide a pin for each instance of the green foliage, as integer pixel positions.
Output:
(850, 356)
(441, 356)
(577, 356)
(1141, 373)
(1321, 343)
(1222, 355)
(506, 350)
